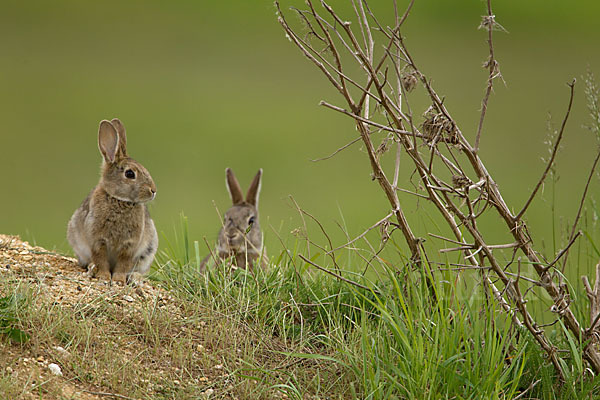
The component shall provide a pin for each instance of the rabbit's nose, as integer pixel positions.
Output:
(232, 235)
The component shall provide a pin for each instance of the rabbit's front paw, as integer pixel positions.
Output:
(119, 278)
(103, 275)
(91, 270)
(135, 279)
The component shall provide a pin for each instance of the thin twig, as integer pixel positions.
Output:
(344, 147)
(381, 221)
(530, 387)
(563, 251)
(492, 65)
(405, 15)
(320, 225)
(397, 165)
(303, 223)
(446, 239)
(581, 203)
(413, 193)
(367, 121)
(472, 246)
(334, 274)
(552, 156)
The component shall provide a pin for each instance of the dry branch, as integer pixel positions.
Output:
(488, 23)
(581, 203)
(552, 156)
(443, 139)
(340, 277)
(594, 298)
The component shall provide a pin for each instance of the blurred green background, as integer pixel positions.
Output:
(205, 85)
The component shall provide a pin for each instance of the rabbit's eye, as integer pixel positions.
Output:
(129, 174)
(251, 221)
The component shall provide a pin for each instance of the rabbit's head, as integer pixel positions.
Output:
(122, 177)
(241, 229)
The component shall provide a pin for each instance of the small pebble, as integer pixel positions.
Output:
(55, 369)
(218, 366)
(176, 382)
(27, 258)
(208, 392)
(128, 298)
(9, 370)
(61, 350)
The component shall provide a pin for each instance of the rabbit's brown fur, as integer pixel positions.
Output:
(111, 232)
(240, 237)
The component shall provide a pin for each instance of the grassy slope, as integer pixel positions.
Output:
(145, 343)
(286, 332)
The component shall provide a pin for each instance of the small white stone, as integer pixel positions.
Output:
(208, 392)
(61, 350)
(128, 298)
(55, 369)
(218, 366)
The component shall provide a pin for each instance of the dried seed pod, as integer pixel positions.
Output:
(460, 181)
(429, 127)
(409, 81)
(437, 124)
(383, 147)
(384, 230)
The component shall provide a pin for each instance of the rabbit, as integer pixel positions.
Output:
(240, 236)
(111, 232)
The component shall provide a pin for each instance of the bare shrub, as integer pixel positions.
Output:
(372, 69)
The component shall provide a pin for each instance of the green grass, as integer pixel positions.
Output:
(294, 331)
(393, 341)
(10, 308)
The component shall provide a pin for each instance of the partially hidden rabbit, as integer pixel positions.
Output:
(111, 232)
(240, 238)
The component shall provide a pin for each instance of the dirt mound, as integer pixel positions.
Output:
(61, 278)
(85, 339)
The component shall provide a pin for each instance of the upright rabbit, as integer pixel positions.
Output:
(240, 236)
(111, 232)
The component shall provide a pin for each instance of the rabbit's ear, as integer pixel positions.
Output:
(108, 141)
(235, 191)
(254, 189)
(116, 122)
